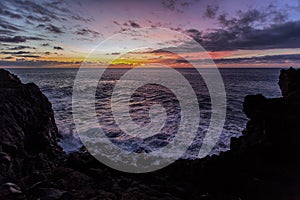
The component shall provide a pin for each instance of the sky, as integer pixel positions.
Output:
(235, 33)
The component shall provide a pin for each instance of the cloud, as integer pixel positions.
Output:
(115, 53)
(45, 44)
(41, 26)
(117, 23)
(32, 63)
(195, 34)
(176, 5)
(34, 7)
(39, 19)
(286, 35)
(79, 18)
(35, 38)
(254, 17)
(54, 29)
(33, 12)
(9, 57)
(20, 47)
(6, 32)
(86, 32)
(15, 39)
(58, 48)
(211, 11)
(9, 14)
(29, 56)
(26, 54)
(261, 59)
(15, 52)
(54, 10)
(169, 4)
(132, 24)
(8, 26)
(252, 29)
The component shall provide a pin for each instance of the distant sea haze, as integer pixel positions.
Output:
(57, 85)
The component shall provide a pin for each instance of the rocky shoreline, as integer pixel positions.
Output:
(262, 164)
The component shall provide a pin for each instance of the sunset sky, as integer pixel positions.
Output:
(251, 33)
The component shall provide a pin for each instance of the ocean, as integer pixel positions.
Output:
(57, 85)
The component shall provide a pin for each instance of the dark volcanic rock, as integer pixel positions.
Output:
(28, 132)
(276, 120)
(289, 81)
(8, 78)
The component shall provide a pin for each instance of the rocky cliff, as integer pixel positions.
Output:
(262, 164)
(28, 145)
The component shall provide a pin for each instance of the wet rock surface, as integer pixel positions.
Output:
(262, 164)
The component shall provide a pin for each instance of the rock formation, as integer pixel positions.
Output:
(28, 145)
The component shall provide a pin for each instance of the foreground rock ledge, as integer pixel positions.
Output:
(262, 164)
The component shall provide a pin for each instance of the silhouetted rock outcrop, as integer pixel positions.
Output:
(289, 82)
(275, 121)
(28, 145)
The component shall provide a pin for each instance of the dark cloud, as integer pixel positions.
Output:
(35, 38)
(35, 7)
(169, 4)
(178, 29)
(261, 59)
(32, 63)
(115, 22)
(253, 17)
(211, 11)
(45, 44)
(9, 26)
(48, 10)
(79, 18)
(58, 48)
(9, 57)
(39, 19)
(253, 29)
(86, 32)
(6, 32)
(176, 5)
(39, 12)
(9, 14)
(15, 39)
(159, 51)
(195, 34)
(15, 52)
(115, 53)
(179, 61)
(18, 39)
(132, 24)
(286, 35)
(29, 56)
(54, 29)
(41, 26)
(20, 47)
